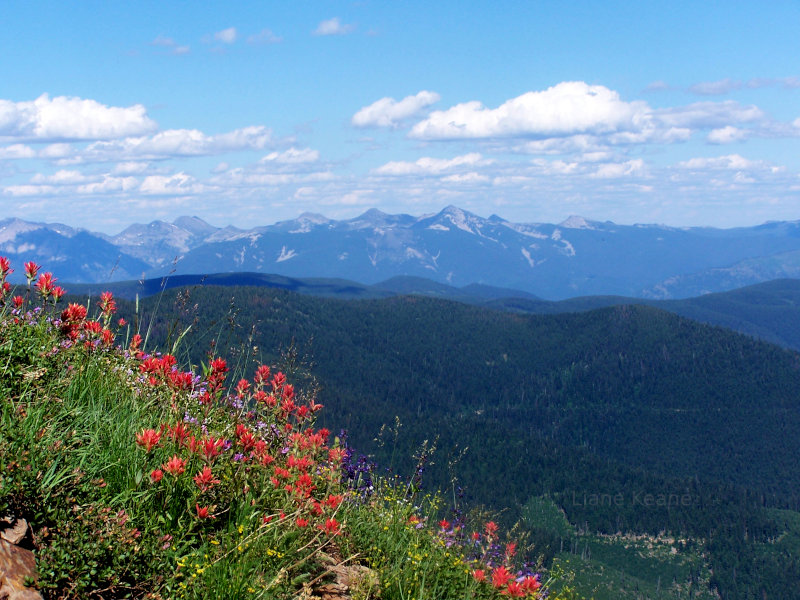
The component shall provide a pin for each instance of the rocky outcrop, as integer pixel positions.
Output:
(17, 564)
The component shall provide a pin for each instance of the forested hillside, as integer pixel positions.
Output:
(631, 418)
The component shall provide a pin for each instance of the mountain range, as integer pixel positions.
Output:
(577, 257)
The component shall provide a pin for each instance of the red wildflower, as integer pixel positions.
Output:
(511, 549)
(31, 270)
(444, 523)
(202, 512)
(175, 465)
(18, 301)
(479, 575)
(331, 527)
(156, 475)
(211, 447)
(45, 284)
(500, 577)
(514, 590)
(5, 267)
(148, 439)
(178, 433)
(205, 479)
(74, 312)
(57, 292)
(108, 305)
(531, 583)
(301, 522)
(334, 500)
(278, 380)
(122, 322)
(262, 374)
(136, 341)
(242, 387)
(491, 528)
(108, 337)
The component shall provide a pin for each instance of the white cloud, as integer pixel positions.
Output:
(226, 36)
(130, 168)
(172, 185)
(62, 177)
(171, 44)
(715, 88)
(265, 36)
(292, 156)
(177, 143)
(704, 115)
(17, 151)
(67, 118)
(387, 112)
(615, 170)
(726, 135)
(429, 166)
(333, 27)
(731, 161)
(109, 185)
(565, 109)
(466, 178)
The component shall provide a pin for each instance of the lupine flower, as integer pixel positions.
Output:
(205, 479)
(148, 439)
(175, 465)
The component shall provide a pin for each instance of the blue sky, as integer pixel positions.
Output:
(247, 113)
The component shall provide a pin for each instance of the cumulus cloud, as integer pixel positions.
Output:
(68, 118)
(388, 112)
(17, 151)
(226, 36)
(568, 108)
(726, 135)
(705, 115)
(170, 185)
(429, 166)
(333, 27)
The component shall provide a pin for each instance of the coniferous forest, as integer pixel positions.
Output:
(627, 419)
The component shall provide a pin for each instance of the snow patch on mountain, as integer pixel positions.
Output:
(438, 227)
(528, 257)
(286, 254)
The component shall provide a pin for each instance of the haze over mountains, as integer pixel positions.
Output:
(553, 261)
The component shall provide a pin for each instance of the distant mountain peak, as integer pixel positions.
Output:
(576, 222)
